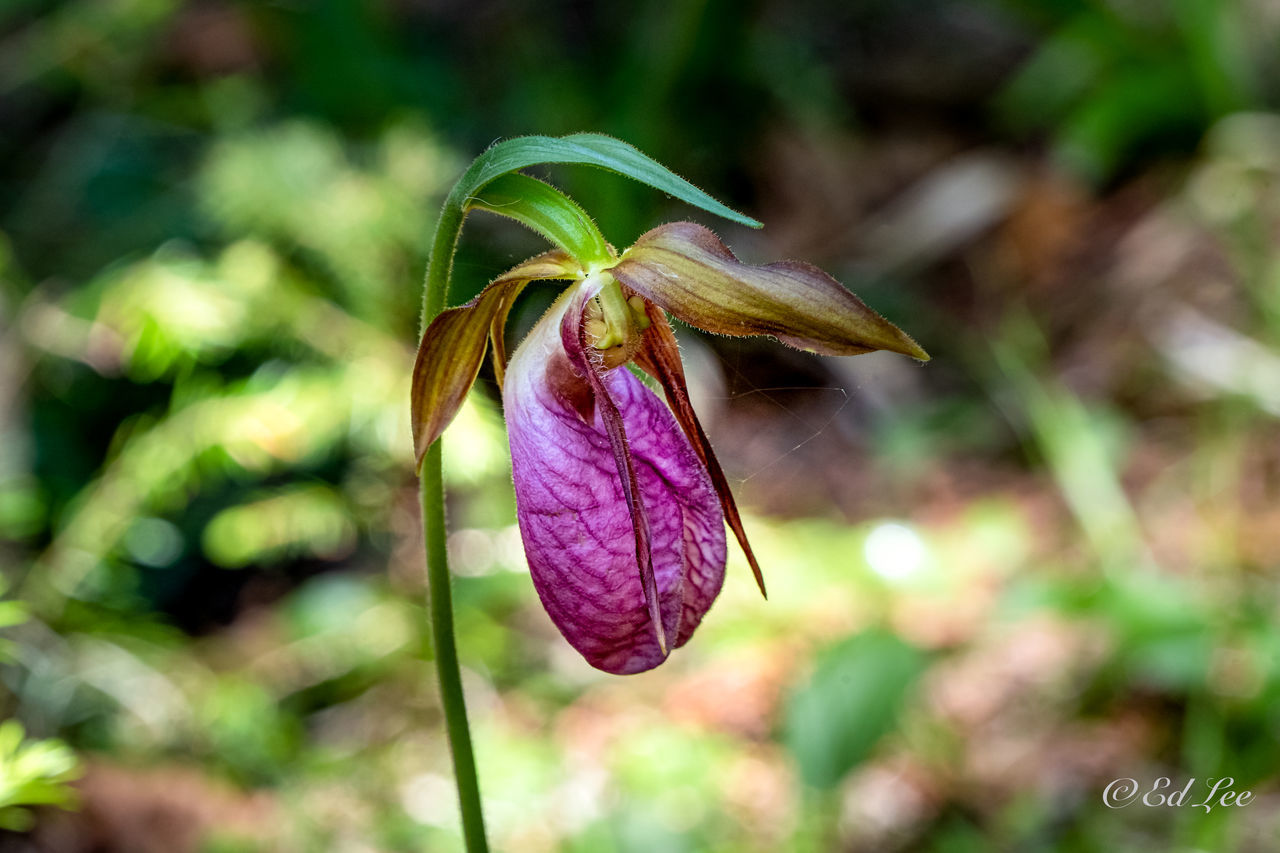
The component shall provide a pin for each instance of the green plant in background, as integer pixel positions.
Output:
(12, 612)
(32, 773)
(853, 698)
(834, 722)
(570, 411)
(1113, 81)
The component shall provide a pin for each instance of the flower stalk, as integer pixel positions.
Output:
(439, 579)
(448, 674)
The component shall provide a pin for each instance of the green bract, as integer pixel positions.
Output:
(548, 211)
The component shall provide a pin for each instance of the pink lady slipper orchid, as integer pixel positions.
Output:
(620, 500)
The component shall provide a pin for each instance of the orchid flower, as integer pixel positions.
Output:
(620, 500)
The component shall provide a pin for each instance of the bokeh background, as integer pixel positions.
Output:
(1043, 561)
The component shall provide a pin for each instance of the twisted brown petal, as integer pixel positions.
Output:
(659, 356)
(453, 346)
(684, 268)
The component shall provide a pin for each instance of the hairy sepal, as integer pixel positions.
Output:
(684, 268)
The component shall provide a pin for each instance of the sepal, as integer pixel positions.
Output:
(684, 268)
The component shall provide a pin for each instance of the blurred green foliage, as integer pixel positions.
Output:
(854, 698)
(1044, 562)
(32, 773)
(1120, 81)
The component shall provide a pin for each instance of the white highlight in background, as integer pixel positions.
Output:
(894, 551)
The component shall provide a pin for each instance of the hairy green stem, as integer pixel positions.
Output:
(439, 581)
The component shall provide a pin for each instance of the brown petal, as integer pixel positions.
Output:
(687, 270)
(659, 356)
(498, 334)
(453, 346)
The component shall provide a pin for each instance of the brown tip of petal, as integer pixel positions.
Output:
(915, 351)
